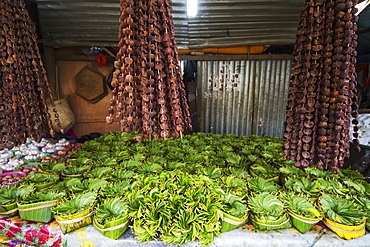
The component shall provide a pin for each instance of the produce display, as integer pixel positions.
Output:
(23, 109)
(148, 93)
(189, 189)
(323, 92)
(25, 159)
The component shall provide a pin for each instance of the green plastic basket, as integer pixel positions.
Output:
(301, 223)
(281, 222)
(113, 229)
(8, 209)
(40, 211)
(230, 222)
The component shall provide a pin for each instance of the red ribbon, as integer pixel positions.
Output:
(101, 59)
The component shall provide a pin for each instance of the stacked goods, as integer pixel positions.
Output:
(23, 108)
(194, 188)
(148, 93)
(322, 93)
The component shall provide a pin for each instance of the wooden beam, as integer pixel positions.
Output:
(194, 57)
(236, 57)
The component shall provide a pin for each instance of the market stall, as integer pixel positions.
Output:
(203, 184)
(154, 181)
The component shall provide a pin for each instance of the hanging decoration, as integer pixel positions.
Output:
(323, 92)
(23, 81)
(148, 93)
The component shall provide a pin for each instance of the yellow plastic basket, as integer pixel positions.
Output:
(76, 221)
(344, 231)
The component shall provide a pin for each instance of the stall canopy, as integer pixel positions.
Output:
(219, 23)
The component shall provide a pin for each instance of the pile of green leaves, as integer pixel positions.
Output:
(53, 167)
(39, 178)
(259, 185)
(341, 210)
(110, 210)
(299, 205)
(266, 206)
(75, 205)
(303, 185)
(234, 205)
(14, 194)
(42, 196)
(176, 190)
(176, 207)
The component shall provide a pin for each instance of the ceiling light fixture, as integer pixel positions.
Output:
(192, 8)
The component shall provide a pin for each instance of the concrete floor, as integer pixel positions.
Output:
(241, 237)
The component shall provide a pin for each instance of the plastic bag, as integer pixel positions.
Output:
(17, 232)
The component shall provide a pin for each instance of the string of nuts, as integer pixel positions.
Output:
(323, 94)
(148, 93)
(23, 82)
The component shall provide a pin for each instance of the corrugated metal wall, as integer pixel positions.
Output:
(219, 23)
(243, 97)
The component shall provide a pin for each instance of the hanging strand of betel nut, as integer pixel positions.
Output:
(323, 92)
(159, 99)
(23, 109)
(180, 115)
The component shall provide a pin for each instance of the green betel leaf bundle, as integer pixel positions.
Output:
(259, 185)
(100, 172)
(114, 189)
(39, 178)
(341, 210)
(75, 170)
(350, 174)
(263, 170)
(234, 185)
(75, 205)
(14, 194)
(266, 206)
(332, 186)
(53, 167)
(299, 205)
(110, 210)
(314, 172)
(289, 171)
(304, 186)
(88, 185)
(234, 205)
(42, 196)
